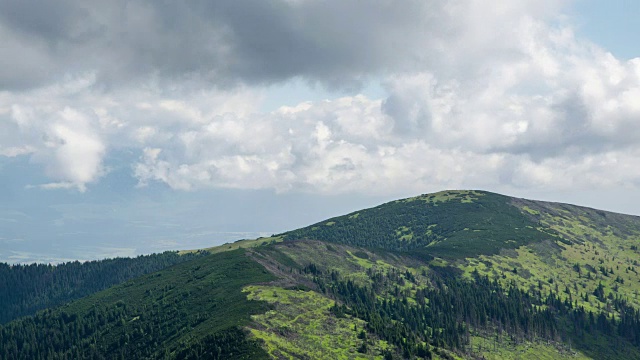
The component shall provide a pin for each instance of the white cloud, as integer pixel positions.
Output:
(65, 140)
(521, 103)
(77, 149)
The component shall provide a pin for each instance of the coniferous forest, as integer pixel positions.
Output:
(25, 289)
(191, 310)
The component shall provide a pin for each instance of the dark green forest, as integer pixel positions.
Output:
(25, 289)
(192, 310)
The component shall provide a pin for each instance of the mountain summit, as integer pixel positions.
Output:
(454, 274)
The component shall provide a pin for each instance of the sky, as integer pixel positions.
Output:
(130, 127)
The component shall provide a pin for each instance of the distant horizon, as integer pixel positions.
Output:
(220, 238)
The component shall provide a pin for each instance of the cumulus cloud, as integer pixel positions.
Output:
(70, 147)
(520, 103)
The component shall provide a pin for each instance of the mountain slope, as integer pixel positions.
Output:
(457, 274)
(25, 289)
(451, 224)
(191, 310)
(405, 302)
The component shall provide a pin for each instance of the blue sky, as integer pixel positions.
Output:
(133, 127)
(611, 24)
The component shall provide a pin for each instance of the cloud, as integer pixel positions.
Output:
(337, 43)
(522, 103)
(65, 140)
(70, 127)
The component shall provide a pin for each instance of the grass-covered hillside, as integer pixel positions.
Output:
(451, 275)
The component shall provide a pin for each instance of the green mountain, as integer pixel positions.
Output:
(451, 275)
(447, 224)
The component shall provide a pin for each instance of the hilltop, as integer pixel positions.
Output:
(455, 274)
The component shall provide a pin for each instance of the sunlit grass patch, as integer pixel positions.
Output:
(492, 349)
(301, 325)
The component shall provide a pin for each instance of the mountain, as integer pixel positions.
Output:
(452, 224)
(455, 274)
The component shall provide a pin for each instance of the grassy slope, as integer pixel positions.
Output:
(587, 241)
(566, 238)
(573, 261)
(301, 323)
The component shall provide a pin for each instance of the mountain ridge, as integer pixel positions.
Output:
(538, 279)
(431, 220)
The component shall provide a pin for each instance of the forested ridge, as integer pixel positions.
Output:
(25, 289)
(189, 311)
(460, 225)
